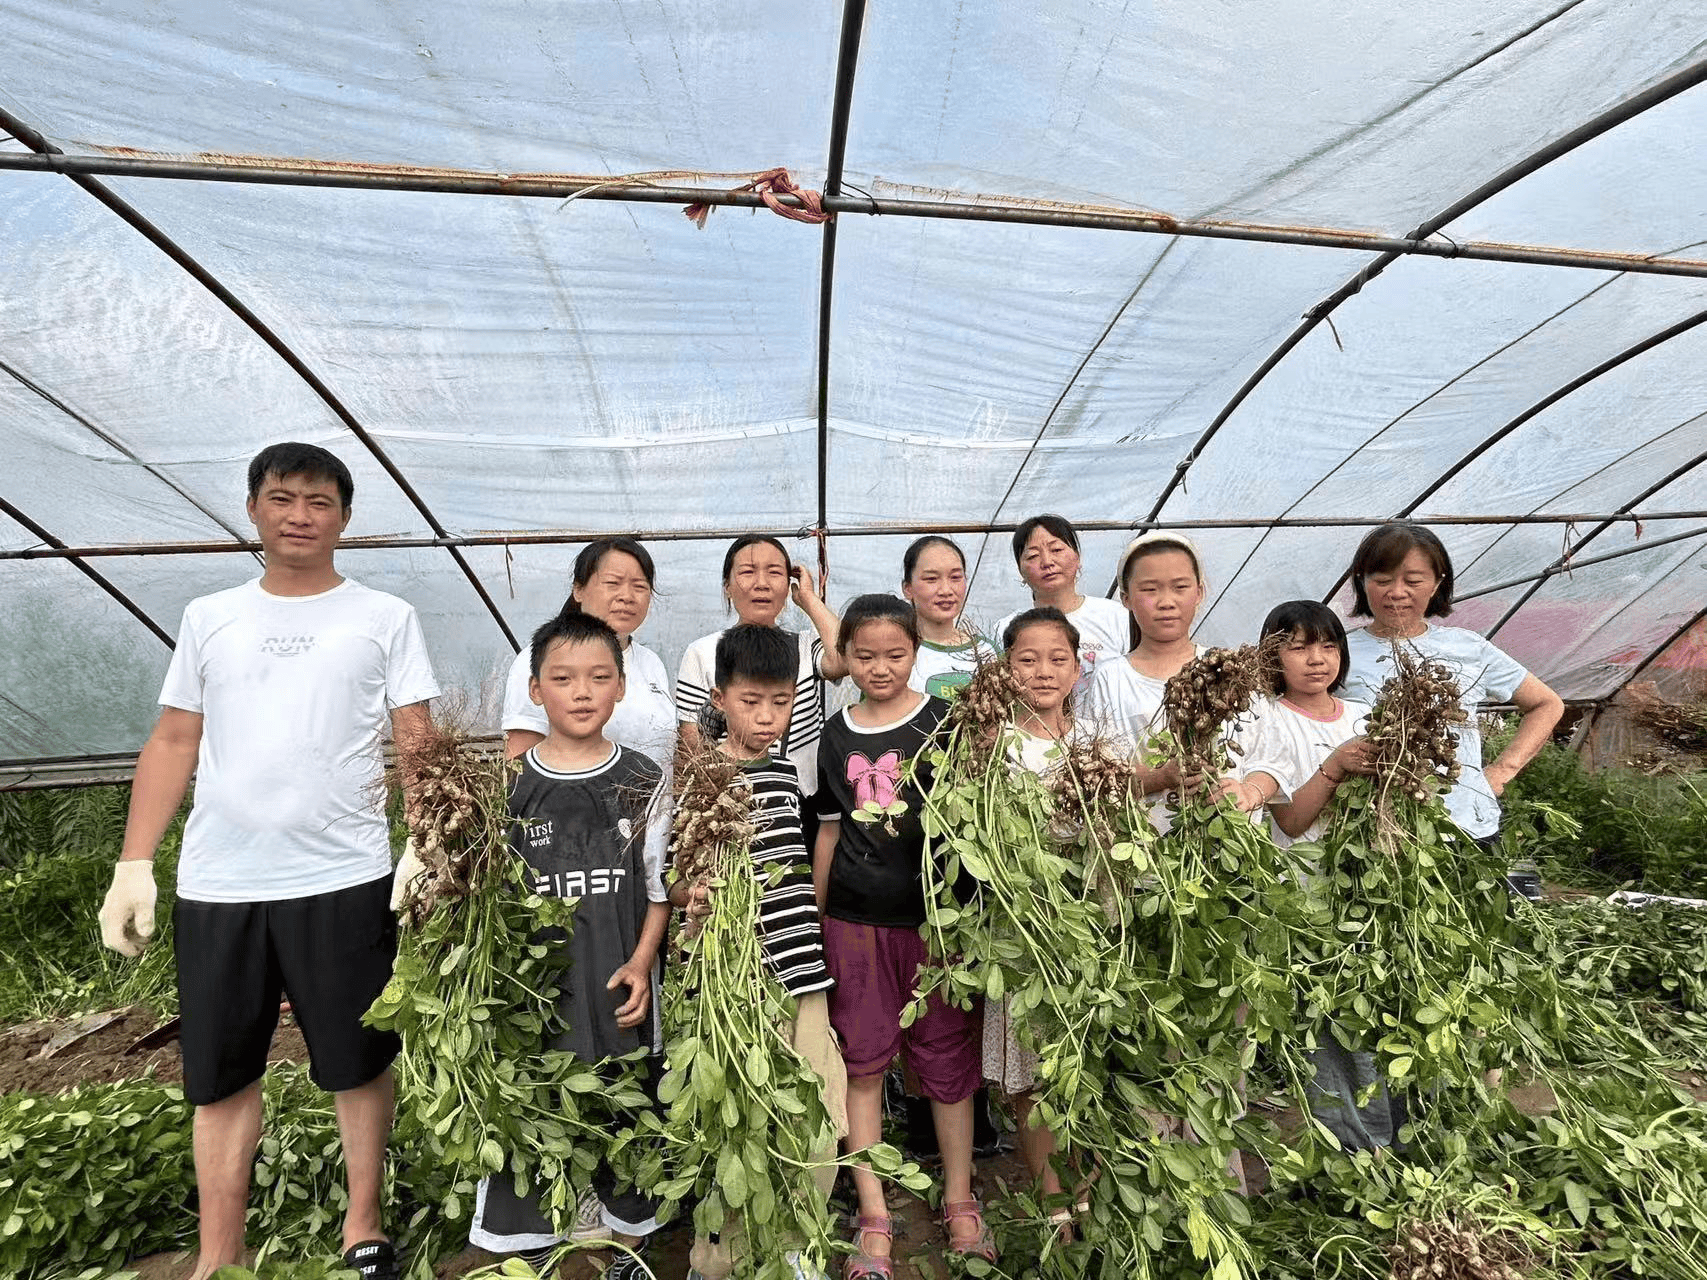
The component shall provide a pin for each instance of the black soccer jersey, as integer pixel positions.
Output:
(597, 835)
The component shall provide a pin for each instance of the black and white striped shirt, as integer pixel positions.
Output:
(792, 936)
(805, 722)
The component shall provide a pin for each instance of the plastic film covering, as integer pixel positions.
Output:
(535, 366)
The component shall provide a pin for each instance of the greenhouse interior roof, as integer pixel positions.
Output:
(1267, 273)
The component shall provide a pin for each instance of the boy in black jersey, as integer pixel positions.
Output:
(591, 826)
(756, 668)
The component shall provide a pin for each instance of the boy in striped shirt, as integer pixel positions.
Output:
(754, 697)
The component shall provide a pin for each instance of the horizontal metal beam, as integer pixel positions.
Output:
(561, 537)
(305, 173)
(57, 550)
(116, 768)
(1566, 568)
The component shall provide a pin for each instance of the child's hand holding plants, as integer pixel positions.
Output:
(637, 977)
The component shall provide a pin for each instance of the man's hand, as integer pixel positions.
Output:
(127, 915)
(638, 979)
(698, 905)
(409, 869)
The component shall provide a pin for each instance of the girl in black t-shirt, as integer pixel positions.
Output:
(866, 867)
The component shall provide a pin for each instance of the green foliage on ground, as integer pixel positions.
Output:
(57, 850)
(1647, 833)
(1608, 1184)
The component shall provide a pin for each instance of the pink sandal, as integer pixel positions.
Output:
(983, 1245)
(869, 1266)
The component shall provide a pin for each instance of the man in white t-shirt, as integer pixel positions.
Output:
(277, 698)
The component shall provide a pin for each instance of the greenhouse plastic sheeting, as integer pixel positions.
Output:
(535, 366)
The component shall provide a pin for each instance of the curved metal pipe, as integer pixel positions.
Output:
(32, 139)
(1609, 119)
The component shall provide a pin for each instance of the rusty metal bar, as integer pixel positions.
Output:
(847, 59)
(1563, 567)
(1567, 562)
(1656, 654)
(60, 551)
(117, 768)
(562, 537)
(115, 444)
(1545, 402)
(53, 159)
(1015, 210)
(1631, 107)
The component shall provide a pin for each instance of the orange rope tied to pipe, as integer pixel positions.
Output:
(771, 185)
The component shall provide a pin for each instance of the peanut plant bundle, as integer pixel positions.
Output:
(473, 995)
(745, 1127)
(1122, 976)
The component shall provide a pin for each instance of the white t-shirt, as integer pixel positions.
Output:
(1290, 745)
(295, 693)
(1484, 674)
(1124, 706)
(1105, 633)
(943, 670)
(697, 676)
(644, 720)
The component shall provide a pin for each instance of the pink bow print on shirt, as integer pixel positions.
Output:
(874, 782)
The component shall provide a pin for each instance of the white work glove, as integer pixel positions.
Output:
(409, 869)
(127, 915)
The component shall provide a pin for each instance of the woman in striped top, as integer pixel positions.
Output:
(758, 581)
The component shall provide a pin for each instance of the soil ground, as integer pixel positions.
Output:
(918, 1240)
(103, 1056)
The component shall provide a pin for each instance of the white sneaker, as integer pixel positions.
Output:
(589, 1220)
(799, 1269)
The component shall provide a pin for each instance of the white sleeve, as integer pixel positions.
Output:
(657, 847)
(1268, 750)
(182, 688)
(520, 710)
(1501, 673)
(408, 671)
(693, 682)
(1105, 717)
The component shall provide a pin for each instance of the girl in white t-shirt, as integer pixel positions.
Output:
(933, 577)
(1300, 748)
(612, 581)
(1046, 549)
(1042, 648)
(1161, 584)
(1304, 742)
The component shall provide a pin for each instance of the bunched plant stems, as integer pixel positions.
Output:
(745, 1129)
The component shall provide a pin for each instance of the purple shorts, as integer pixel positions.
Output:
(875, 968)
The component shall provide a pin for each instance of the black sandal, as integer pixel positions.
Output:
(373, 1260)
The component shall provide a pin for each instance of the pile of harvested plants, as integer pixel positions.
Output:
(1057, 894)
(744, 1126)
(474, 996)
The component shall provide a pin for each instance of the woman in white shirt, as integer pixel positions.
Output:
(1046, 549)
(933, 578)
(1161, 583)
(758, 582)
(1401, 577)
(613, 580)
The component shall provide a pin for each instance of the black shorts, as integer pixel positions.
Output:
(330, 953)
